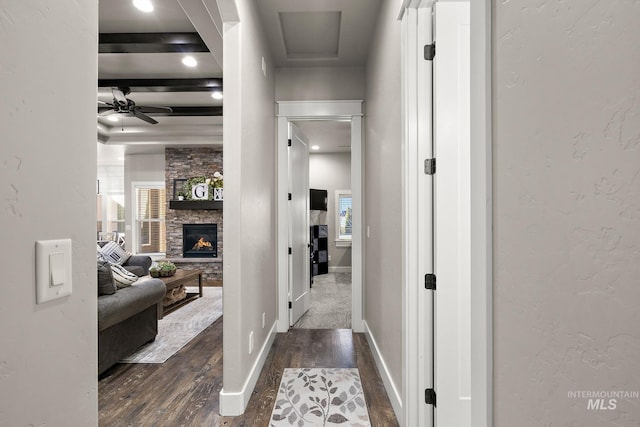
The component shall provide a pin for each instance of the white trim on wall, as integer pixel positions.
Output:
(288, 111)
(234, 404)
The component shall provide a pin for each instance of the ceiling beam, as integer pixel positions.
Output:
(182, 111)
(150, 43)
(164, 85)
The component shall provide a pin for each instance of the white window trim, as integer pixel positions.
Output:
(134, 209)
(340, 243)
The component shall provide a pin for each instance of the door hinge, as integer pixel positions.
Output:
(290, 304)
(430, 51)
(430, 166)
(430, 281)
(290, 251)
(289, 196)
(288, 143)
(430, 396)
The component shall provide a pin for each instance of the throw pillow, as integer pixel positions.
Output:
(106, 285)
(114, 253)
(122, 277)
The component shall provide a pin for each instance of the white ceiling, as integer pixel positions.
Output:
(301, 33)
(308, 33)
(330, 136)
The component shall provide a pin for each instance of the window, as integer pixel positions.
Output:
(150, 209)
(343, 217)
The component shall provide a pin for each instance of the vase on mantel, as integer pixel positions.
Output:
(218, 194)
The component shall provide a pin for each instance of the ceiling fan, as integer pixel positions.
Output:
(123, 105)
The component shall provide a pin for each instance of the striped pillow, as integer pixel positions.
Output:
(114, 253)
(122, 277)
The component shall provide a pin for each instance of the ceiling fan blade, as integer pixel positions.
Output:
(144, 117)
(144, 109)
(105, 103)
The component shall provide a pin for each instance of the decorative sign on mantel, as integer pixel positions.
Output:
(199, 188)
(200, 191)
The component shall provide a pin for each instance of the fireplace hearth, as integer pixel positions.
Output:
(199, 240)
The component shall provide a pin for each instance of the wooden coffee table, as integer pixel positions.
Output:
(182, 277)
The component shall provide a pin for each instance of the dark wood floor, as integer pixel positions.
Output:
(184, 390)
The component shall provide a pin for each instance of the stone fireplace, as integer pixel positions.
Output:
(184, 163)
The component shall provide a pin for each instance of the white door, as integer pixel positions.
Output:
(299, 280)
(452, 214)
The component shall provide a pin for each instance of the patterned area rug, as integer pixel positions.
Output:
(320, 397)
(330, 303)
(176, 329)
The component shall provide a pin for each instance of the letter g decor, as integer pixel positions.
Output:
(200, 191)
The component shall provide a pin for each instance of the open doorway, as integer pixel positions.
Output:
(349, 113)
(330, 224)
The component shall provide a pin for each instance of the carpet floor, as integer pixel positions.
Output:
(176, 329)
(330, 303)
(320, 397)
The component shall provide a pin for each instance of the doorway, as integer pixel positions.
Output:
(330, 225)
(305, 111)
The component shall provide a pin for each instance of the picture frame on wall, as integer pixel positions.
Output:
(180, 186)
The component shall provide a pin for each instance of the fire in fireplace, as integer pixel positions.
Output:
(199, 240)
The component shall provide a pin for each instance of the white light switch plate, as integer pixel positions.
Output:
(53, 269)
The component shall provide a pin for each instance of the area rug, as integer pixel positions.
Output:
(176, 329)
(330, 303)
(320, 397)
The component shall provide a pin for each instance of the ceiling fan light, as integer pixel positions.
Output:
(217, 95)
(189, 61)
(112, 118)
(143, 5)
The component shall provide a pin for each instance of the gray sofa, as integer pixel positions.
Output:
(127, 318)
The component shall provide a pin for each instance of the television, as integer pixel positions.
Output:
(318, 200)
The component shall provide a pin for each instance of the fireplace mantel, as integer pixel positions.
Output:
(195, 204)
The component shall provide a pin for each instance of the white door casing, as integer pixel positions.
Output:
(290, 111)
(299, 280)
(452, 214)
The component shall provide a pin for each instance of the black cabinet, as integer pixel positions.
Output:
(319, 250)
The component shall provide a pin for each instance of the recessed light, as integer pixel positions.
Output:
(315, 147)
(189, 61)
(113, 118)
(143, 5)
(216, 95)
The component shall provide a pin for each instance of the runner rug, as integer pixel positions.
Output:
(179, 327)
(320, 397)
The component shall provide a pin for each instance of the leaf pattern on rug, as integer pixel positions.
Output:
(320, 397)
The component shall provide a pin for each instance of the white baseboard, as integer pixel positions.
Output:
(392, 391)
(233, 404)
(340, 269)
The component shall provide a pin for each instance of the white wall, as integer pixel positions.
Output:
(331, 172)
(249, 206)
(320, 83)
(382, 178)
(566, 210)
(140, 168)
(48, 352)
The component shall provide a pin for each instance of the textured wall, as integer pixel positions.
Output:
(320, 83)
(250, 181)
(566, 210)
(383, 250)
(48, 352)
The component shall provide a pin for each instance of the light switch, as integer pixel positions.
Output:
(57, 273)
(53, 269)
